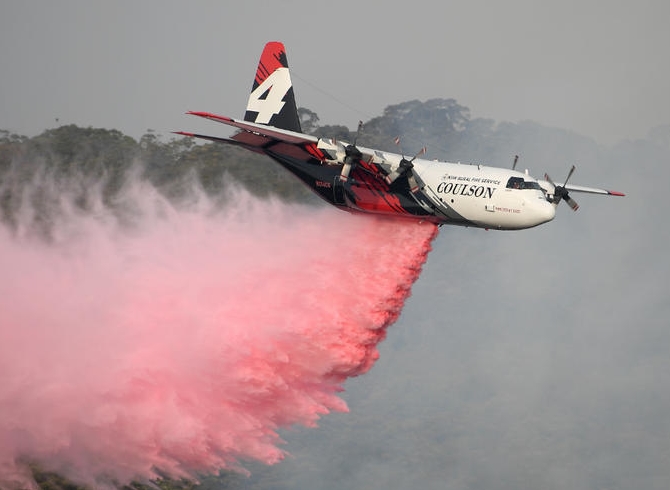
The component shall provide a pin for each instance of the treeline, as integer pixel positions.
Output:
(91, 164)
(78, 159)
(86, 168)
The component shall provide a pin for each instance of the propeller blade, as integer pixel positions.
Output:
(403, 167)
(413, 184)
(352, 156)
(422, 151)
(556, 192)
(571, 202)
(516, 159)
(548, 179)
(560, 192)
(391, 178)
(344, 175)
(572, 170)
(396, 140)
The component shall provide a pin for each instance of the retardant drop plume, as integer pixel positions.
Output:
(183, 343)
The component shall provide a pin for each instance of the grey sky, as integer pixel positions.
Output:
(595, 67)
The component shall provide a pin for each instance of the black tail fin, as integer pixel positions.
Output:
(272, 101)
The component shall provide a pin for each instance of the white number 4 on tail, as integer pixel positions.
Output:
(276, 86)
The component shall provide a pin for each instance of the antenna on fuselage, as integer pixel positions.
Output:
(358, 132)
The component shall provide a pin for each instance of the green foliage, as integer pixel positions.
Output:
(436, 123)
(309, 120)
(72, 150)
(91, 166)
(337, 132)
(47, 480)
(225, 480)
(52, 481)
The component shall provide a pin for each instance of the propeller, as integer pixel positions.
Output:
(560, 192)
(405, 168)
(351, 155)
(516, 159)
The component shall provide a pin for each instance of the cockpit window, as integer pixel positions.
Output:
(519, 183)
(531, 185)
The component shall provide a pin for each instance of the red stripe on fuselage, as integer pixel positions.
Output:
(378, 184)
(312, 149)
(373, 194)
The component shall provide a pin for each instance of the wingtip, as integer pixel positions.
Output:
(210, 115)
(615, 193)
(184, 133)
(200, 113)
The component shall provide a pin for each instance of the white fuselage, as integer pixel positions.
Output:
(476, 195)
(481, 195)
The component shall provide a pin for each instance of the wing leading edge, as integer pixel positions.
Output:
(592, 190)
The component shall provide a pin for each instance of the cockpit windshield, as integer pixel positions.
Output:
(519, 183)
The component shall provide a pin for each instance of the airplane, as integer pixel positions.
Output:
(366, 180)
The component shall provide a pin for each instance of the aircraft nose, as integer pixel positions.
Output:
(545, 211)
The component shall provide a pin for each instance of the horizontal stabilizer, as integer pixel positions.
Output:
(272, 132)
(217, 139)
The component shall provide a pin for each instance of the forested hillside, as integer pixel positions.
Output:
(91, 164)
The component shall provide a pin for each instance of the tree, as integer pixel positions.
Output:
(309, 120)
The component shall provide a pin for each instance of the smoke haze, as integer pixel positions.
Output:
(525, 360)
(182, 342)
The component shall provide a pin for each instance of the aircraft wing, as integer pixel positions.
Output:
(259, 137)
(592, 190)
(549, 187)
